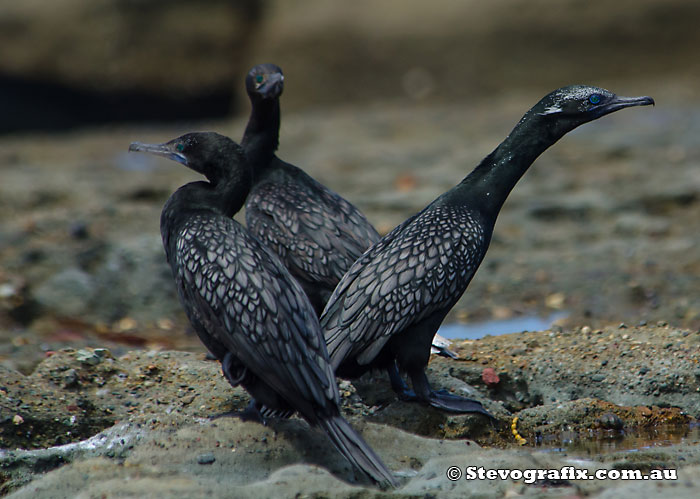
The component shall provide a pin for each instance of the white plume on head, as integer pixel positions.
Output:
(551, 110)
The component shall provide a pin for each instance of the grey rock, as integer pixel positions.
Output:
(206, 458)
(69, 292)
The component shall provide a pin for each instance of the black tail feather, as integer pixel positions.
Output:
(357, 451)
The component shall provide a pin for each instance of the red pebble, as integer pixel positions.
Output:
(490, 377)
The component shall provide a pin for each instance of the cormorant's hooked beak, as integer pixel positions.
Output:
(166, 150)
(619, 102)
(272, 87)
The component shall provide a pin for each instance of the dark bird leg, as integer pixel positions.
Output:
(442, 399)
(250, 413)
(412, 350)
(233, 371)
(399, 385)
(236, 374)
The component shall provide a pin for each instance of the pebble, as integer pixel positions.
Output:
(489, 377)
(88, 357)
(611, 421)
(206, 458)
(79, 230)
(70, 378)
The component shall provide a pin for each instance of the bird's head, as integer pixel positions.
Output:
(213, 155)
(569, 107)
(265, 81)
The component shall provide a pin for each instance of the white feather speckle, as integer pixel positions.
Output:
(551, 110)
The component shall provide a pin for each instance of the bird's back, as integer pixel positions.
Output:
(246, 300)
(419, 269)
(316, 233)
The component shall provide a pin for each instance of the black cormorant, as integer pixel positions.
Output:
(243, 303)
(387, 308)
(316, 233)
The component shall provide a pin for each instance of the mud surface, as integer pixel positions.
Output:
(603, 228)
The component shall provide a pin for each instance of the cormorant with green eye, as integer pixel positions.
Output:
(315, 232)
(243, 303)
(387, 308)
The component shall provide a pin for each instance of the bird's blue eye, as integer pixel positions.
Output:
(594, 99)
(180, 147)
(259, 79)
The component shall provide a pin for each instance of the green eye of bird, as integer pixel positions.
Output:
(259, 79)
(594, 99)
(180, 147)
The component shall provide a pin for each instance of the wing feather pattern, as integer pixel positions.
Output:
(316, 233)
(257, 312)
(423, 266)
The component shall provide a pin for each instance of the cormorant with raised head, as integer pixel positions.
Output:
(315, 232)
(387, 308)
(243, 303)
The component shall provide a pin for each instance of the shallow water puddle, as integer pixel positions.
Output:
(478, 330)
(598, 442)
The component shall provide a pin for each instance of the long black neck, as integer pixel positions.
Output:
(261, 137)
(223, 198)
(486, 188)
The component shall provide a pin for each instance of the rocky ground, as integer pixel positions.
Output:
(144, 424)
(604, 228)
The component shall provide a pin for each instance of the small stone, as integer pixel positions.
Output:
(17, 419)
(611, 421)
(70, 378)
(555, 301)
(489, 377)
(165, 324)
(206, 458)
(88, 357)
(598, 377)
(79, 230)
(125, 324)
(643, 371)
(586, 330)
(644, 411)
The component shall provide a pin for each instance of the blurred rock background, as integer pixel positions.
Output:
(76, 62)
(388, 102)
